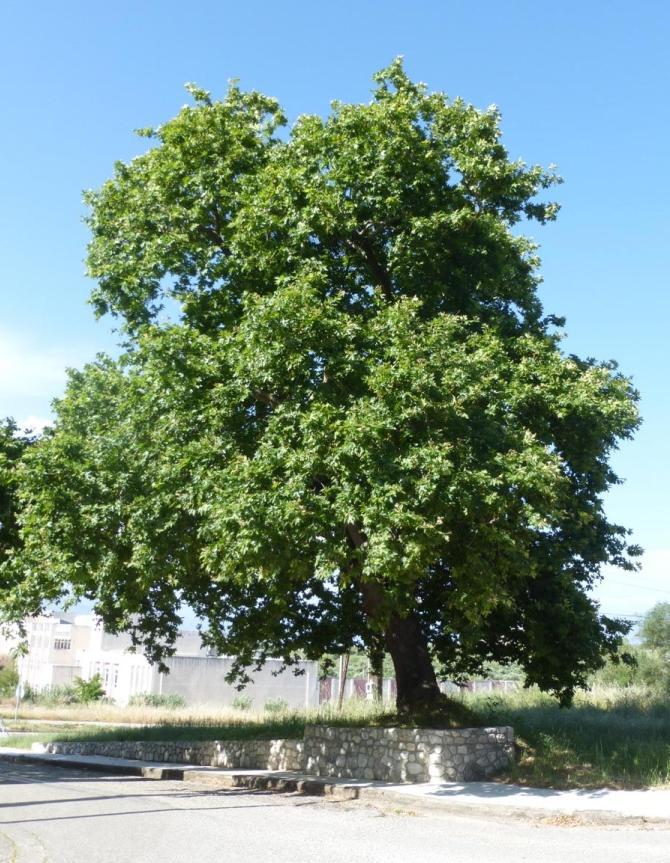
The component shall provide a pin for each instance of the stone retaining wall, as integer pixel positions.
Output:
(283, 754)
(407, 754)
(386, 754)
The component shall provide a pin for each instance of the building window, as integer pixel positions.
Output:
(62, 644)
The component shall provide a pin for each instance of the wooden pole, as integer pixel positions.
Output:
(344, 668)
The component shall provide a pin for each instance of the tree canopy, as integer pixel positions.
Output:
(342, 417)
(13, 444)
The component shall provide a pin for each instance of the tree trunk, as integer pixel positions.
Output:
(416, 683)
(376, 657)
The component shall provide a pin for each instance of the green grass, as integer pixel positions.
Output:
(25, 741)
(618, 738)
(20, 727)
(244, 726)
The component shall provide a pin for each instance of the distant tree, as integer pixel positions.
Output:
(655, 628)
(360, 430)
(88, 690)
(9, 676)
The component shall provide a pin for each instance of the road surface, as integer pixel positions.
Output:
(50, 815)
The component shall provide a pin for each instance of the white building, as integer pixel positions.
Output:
(62, 647)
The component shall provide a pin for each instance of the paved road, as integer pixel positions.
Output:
(50, 815)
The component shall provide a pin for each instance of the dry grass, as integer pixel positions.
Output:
(110, 713)
(196, 722)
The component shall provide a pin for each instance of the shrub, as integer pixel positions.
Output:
(242, 702)
(9, 677)
(153, 699)
(637, 666)
(54, 696)
(655, 629)
(79, 692)
(88, 690)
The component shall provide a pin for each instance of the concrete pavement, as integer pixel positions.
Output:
(73, 816)
(490, 799)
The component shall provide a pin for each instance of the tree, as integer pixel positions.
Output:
(655, 628)
(9, 676)
(360, 429)
(12, 447)
(88, 690)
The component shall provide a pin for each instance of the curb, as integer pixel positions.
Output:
(286, 783)
(115, 766)
(390, 799)
(412, 804)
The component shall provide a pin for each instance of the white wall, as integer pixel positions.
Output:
(62, 650)
(201, 680)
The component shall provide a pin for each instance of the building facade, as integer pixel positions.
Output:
(62, 647)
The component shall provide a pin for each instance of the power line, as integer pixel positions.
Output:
(636, 586)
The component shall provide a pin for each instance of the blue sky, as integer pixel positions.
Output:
(582, 85)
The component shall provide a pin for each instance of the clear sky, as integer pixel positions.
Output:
(580, 84)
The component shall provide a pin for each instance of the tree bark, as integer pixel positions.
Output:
(416, 684)
(376, 674)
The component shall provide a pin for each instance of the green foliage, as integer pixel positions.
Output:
(54, 696)
(635, 666)
(655, 629)
(9, 677)
(242, 702)
(88, 690)
(359, 424)
(172, 701)
(276, 705)
(618, 738)
(13, 445)
(498, 671)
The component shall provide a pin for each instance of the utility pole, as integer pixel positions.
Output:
(344, 668)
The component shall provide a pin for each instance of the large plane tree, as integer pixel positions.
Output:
(342, 417)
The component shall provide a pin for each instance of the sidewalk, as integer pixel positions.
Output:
(490, 799)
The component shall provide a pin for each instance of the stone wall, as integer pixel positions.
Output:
(407, 754)
(386, 754)
(282, 754)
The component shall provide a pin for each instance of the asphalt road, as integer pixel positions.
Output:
(50, 815)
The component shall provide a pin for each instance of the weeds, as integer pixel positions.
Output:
(618, 738)
(170, 701)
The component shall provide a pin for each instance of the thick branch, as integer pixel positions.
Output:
(362, 243)
(215, 232)
(404, 640)
(216, 237)
(265, 397)
(356, 536)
